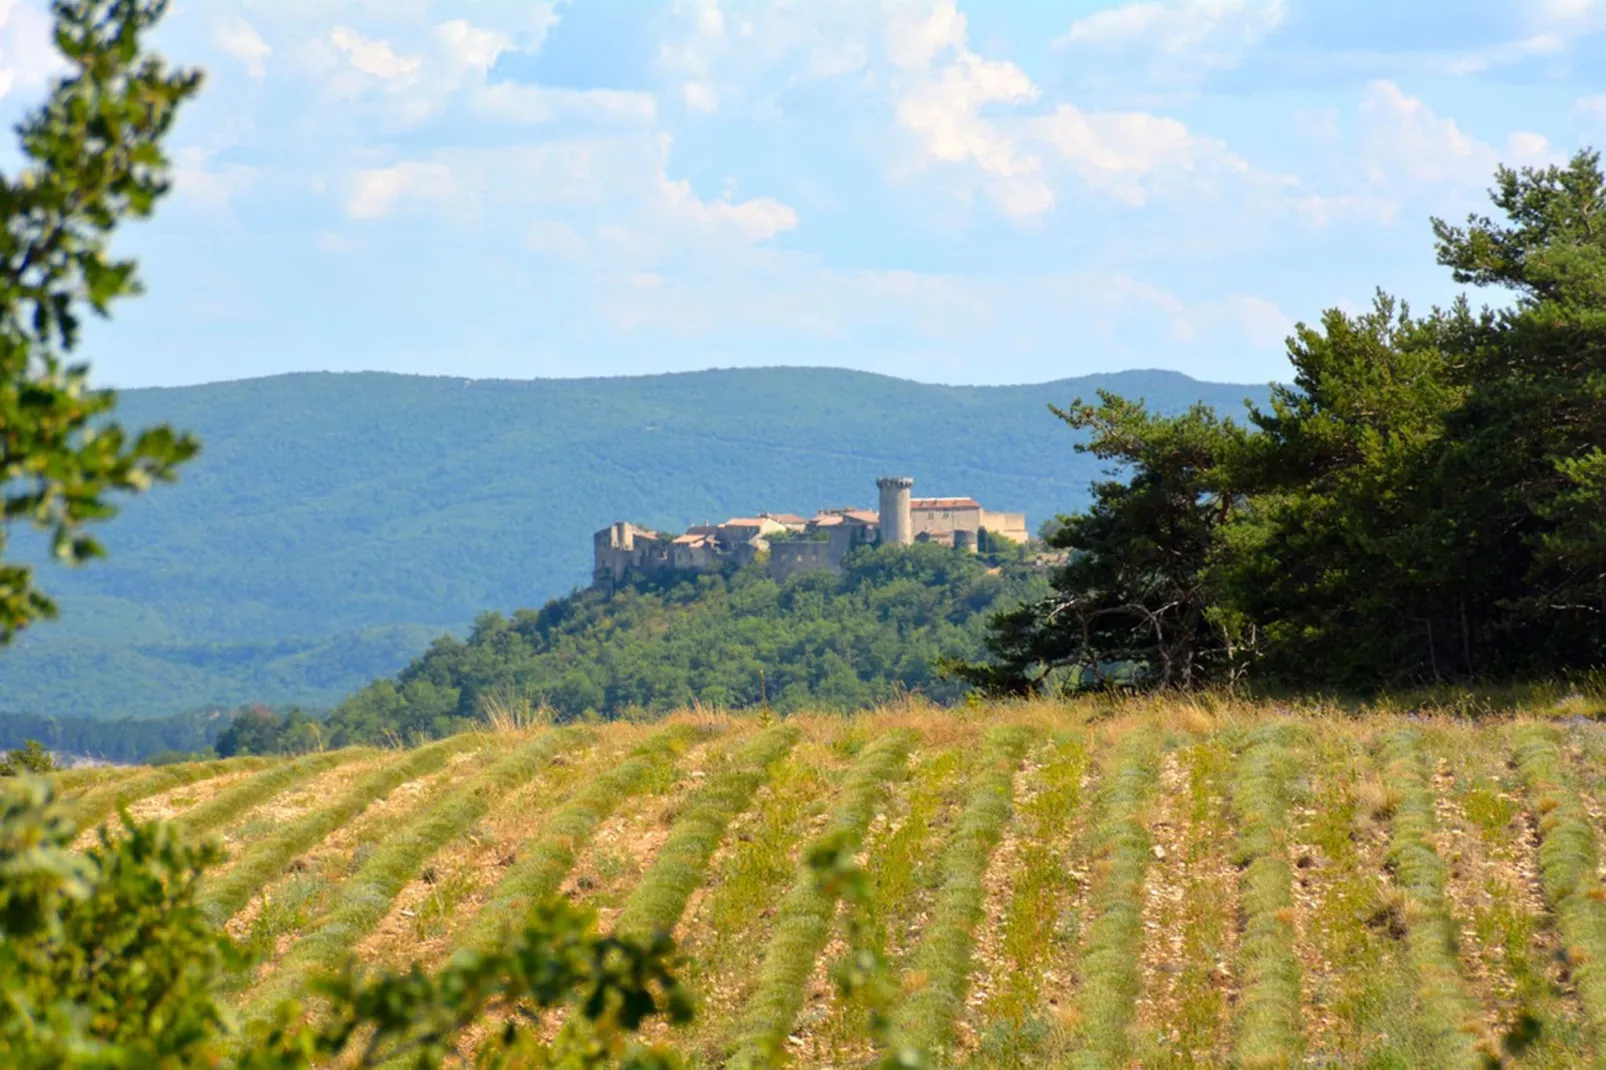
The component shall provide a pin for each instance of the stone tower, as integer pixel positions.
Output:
(896, 527)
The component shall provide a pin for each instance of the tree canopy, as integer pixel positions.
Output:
(1425, 501)
(95, 159)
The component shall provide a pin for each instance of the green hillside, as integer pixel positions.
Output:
(335, 522)
(739, 641)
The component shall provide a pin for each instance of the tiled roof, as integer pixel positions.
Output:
(944, 503)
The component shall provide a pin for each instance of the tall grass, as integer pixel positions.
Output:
(1110, 974)
(365, 898)
(231, 804)
(1448, 1012)
(222, 897)
(1568, 865)
(1268, 1028)
(682, 864)
(540, 872)
(803, 919)
(925, 1020)
(96, 804)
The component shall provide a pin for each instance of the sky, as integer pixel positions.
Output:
(980, 192)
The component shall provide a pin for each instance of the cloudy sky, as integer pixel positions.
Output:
(975, 192)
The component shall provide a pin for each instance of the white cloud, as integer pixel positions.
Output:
(1404, 141)
(1591, 108)
(28, 56)
(213, 188)
(1122, 153)
(376, 192)
(374, 58)
(470, 48)
(943, 90)
(1264, 325)
(240, 40)
(1180, 38)
(523, 103)
(556, 239)
(700, 96)
(758, 219)
(1507, 54)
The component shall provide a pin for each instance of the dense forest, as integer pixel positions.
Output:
(1425, 502)
(333, 525)
(740, 639)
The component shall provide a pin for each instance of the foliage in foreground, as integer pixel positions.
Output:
(95, 158)
(1426, 501)
(109, 960)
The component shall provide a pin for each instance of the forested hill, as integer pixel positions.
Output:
(335, 523)
(740, 640)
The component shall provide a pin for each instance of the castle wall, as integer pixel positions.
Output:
(1009, 525)
(789, 558)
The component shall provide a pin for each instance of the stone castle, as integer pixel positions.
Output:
(795, 544)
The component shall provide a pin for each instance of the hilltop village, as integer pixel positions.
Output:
(795, 544)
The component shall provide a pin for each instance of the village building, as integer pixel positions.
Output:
(794, 544)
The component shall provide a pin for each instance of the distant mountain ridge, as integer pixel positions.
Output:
(336, 520)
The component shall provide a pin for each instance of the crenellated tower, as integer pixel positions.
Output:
(897, 528)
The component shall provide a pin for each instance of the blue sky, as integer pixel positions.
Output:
(994, 192)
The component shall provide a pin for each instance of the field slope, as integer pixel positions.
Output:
(1154, 885)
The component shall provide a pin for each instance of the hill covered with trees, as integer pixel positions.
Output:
(738, 640)
(333, 525)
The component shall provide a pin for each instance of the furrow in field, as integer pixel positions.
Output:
(364, 899)
(1109, 965)
(640, 866)
(1448, 1012)
(101, 801)
(1267, 1027)
(1359, 987)
(803, 922)
(901, 859)
(682, 865)
(1569, 865)
(431, 908)
(1028, 933)
(1509, 946)
(540, 867)
(1190, 913)
(267, 817)
(294, 901)
(734, 912)
(225, 893)
(225, 806)
(939, 968)
(610, 865)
